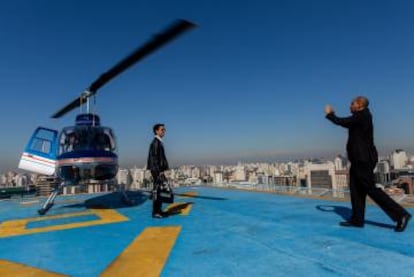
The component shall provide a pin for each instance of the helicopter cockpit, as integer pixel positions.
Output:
(78, 138)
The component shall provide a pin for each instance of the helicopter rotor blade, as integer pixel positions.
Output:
(72, 105)
(177, 28)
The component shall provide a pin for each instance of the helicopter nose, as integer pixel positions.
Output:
(76, 173)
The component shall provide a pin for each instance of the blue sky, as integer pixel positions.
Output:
(250, 83)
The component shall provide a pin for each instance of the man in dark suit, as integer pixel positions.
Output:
(157, 163)
(363, 157)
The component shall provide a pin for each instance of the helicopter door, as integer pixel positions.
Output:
(39, 156)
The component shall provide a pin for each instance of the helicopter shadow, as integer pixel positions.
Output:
(113, 200)
(346, 213)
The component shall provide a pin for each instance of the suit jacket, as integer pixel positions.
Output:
(157, 162)
(360, 146)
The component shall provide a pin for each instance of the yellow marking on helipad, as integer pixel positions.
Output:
(179, 208)
(188, 194)
(146, 255)
(18, 227)
(15, 269)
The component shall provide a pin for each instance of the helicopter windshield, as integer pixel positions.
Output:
(86, 138)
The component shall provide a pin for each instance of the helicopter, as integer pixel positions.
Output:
(86, 151)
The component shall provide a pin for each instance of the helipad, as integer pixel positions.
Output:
(213, 232)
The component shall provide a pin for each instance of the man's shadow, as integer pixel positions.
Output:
(346, 213)
(178, 209)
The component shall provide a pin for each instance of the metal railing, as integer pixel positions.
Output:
(291, 190)
(312, 192)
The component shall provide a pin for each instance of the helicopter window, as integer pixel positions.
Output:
(62, 145)
(102, 142)
(110, 138)
(72, 143)
(45, 135)
(86, 138)
(68, 141)
(41, 145)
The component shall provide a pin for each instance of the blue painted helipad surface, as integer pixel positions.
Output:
(226, 233)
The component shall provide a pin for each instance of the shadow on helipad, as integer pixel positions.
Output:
(114, 200)
(345, 213)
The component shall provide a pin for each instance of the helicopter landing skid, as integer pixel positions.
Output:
(49, 202)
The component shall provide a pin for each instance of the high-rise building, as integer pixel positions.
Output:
(341, 183)
(240, 173)
(321, 175)
(218, 177)
(204, 172)
(252, 178)
(124, 177)
(262, 179)
(10, 178)
(21, 180)
(340, 163)
(195, 173)
(186, 170)
(138, 175)
(173, 174)
(399, 159)
(382, 172)
(3, 179)
(411, 161)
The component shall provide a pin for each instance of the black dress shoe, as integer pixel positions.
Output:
(158, 215)
(351, 224)
(402, 223)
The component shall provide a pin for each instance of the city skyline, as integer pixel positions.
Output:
(250, 83)
(395, 173)
(406, 159)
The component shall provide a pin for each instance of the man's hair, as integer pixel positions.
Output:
(156, 127)
(363, 101)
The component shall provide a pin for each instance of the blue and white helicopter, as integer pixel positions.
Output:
(87, 151)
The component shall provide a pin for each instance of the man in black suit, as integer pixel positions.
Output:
(363, 157)
(157, 163)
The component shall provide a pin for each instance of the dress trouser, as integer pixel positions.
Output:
(362, 183)
(156, 203)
